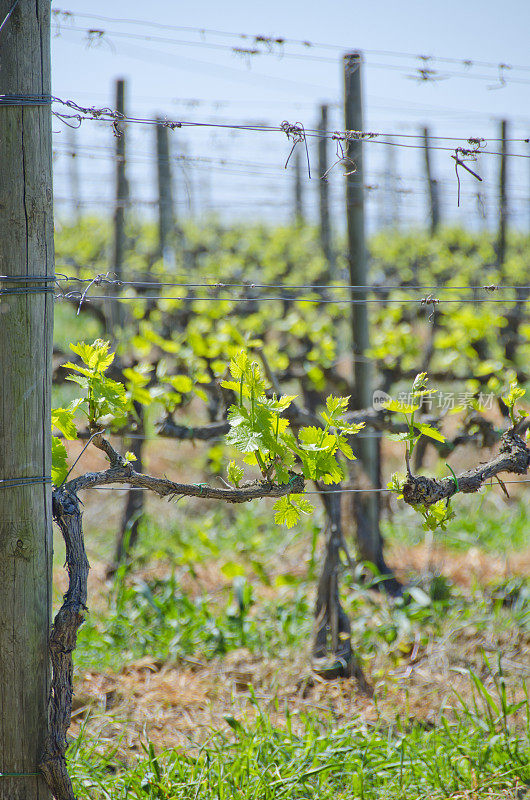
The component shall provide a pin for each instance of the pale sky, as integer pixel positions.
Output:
(462, 101)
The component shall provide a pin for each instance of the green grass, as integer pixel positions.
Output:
(308, 757)
(158, 616)
(155, 616)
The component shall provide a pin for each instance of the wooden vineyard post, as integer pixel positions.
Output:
(73, 174)
(122, 194)
(366, 506)
(391, 196)
(26, 325)
(166, 218)
(134, 504)
(298, 198)
(432, 184)
(503, 203)
(323, 191)
(481, 196)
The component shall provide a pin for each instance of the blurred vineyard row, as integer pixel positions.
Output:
(471, 342)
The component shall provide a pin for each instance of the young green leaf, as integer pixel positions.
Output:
(402, 408)
(137, 375)
(96, 355)
(288, 509)
(337, 406)
(63, 420)
(235, 473)
(395, 484)
(400, 437)
(244, 439)
(436, 515)
(182, 383)
(59, 461)
(278, 404)
(345, 448)
(420, 382)
(352, 428)
(515, 394)
(427, 430)
(314, 439)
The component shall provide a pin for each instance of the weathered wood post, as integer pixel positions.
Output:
(166, 218)
(122, 193)
(366, 506)
(481, 197)
(503, 202)
(134, 504)
(26, 324)
(298, 198)
(390, 187)
(73, 174)
(432, 184)
(323, 191)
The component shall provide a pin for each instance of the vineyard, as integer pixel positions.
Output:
(287, 466)
(204, 610)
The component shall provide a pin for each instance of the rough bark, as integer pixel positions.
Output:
(122, 472)
(170, 429)
(166, 488)
(332, 651)
(514, 457)
(63, 640)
